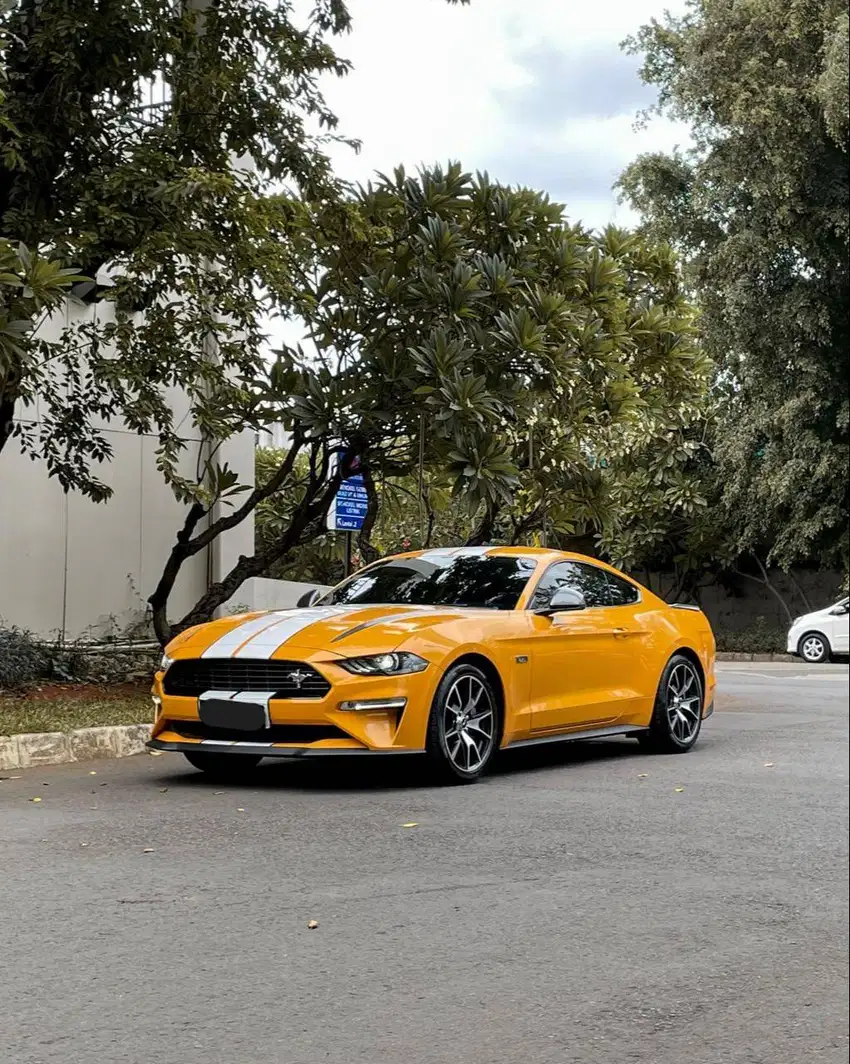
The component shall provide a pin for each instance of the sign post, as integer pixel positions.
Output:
(348, 512)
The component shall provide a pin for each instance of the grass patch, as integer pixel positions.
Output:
(64, 709)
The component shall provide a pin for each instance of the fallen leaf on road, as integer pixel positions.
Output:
(679, 790)
(313, 924)
(218, 792)
(155, 753)
(9, 778)
(148, 850)
(412, 824)
(162, 790)
(35, 799)
(240, 810)
(92, 773)
(104, 784)
(642, 775)
(84, 844)
(769, 764)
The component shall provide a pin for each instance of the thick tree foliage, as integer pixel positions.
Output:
(136, 138)
(759, 210)
(467, 329)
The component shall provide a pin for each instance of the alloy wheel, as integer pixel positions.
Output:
(469, 723)
(813, 648)
(684, 703)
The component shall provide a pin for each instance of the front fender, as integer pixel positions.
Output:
(514, 677)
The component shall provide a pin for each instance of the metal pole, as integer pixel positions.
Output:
(347, 554)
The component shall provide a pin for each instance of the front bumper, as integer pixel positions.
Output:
(294, 722)
(278, 750)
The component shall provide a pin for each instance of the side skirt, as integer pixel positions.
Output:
(567, 737)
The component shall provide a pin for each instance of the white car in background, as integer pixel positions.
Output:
(815, 637)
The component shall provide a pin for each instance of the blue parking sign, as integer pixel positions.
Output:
(348, 512)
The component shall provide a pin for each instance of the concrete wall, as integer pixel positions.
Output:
(744, 602)
(70, 567)
(260, 593)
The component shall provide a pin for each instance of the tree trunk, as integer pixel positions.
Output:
(803, 596)
(306, 524)
(368, 553)
(188, 544)
(182, 550)
(765, 581)
(7, 420)
(484, 531)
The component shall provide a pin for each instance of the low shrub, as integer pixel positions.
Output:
(25, 660)
(757, 638)
(22, 659)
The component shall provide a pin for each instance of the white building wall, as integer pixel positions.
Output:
(73, 568)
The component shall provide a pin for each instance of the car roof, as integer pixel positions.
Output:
(537, 553)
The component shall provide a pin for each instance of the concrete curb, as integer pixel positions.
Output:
(84, 744)
(729, 655)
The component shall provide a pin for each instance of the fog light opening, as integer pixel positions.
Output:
(362, 705)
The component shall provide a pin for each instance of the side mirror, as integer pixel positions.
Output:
(564, 600)
(839, 611)
(309, 598)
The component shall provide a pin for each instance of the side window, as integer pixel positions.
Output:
(556, 576)
(621, 592)
(592, 584)
(587, 579)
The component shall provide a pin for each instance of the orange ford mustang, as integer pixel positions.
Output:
(450, 653)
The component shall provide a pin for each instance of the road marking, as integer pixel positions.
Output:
(784, 677)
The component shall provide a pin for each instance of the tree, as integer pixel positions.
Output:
(31, 287)
(137, 141)
(412, 513)
(758, 209)
(456, 324)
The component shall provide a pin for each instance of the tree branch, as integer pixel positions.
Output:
(187, 547)
(306, 523)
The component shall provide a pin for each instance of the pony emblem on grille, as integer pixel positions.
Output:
(298, 677)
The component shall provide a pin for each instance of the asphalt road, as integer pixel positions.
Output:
(585, 905)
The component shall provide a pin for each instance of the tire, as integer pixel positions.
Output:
(229, 768)
(674, 729)
(461, 755)
(814, 648)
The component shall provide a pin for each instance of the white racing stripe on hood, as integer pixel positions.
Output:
(441, 553)
(288, 624)
(227, 645)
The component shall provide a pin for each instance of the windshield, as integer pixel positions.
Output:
(479, 581)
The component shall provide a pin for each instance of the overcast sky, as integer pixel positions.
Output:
(536, 92)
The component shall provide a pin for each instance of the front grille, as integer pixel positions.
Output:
(277, 733)
(288, 679)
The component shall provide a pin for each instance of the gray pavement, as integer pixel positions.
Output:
(586, 904)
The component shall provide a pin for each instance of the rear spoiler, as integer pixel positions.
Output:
(685, 606)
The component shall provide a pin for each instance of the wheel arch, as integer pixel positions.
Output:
(694, 658)
(488, 667)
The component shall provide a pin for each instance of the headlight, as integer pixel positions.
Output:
(165, 662)
(395, 664)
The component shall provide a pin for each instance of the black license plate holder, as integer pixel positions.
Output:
(229, 715)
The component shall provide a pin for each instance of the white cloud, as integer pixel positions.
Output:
(433, 82)
(498, 86)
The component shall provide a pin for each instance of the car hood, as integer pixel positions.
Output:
(815, 615)
(342, 630)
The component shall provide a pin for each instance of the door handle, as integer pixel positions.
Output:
(625, 631)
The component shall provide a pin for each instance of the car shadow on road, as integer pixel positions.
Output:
(359, 774)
